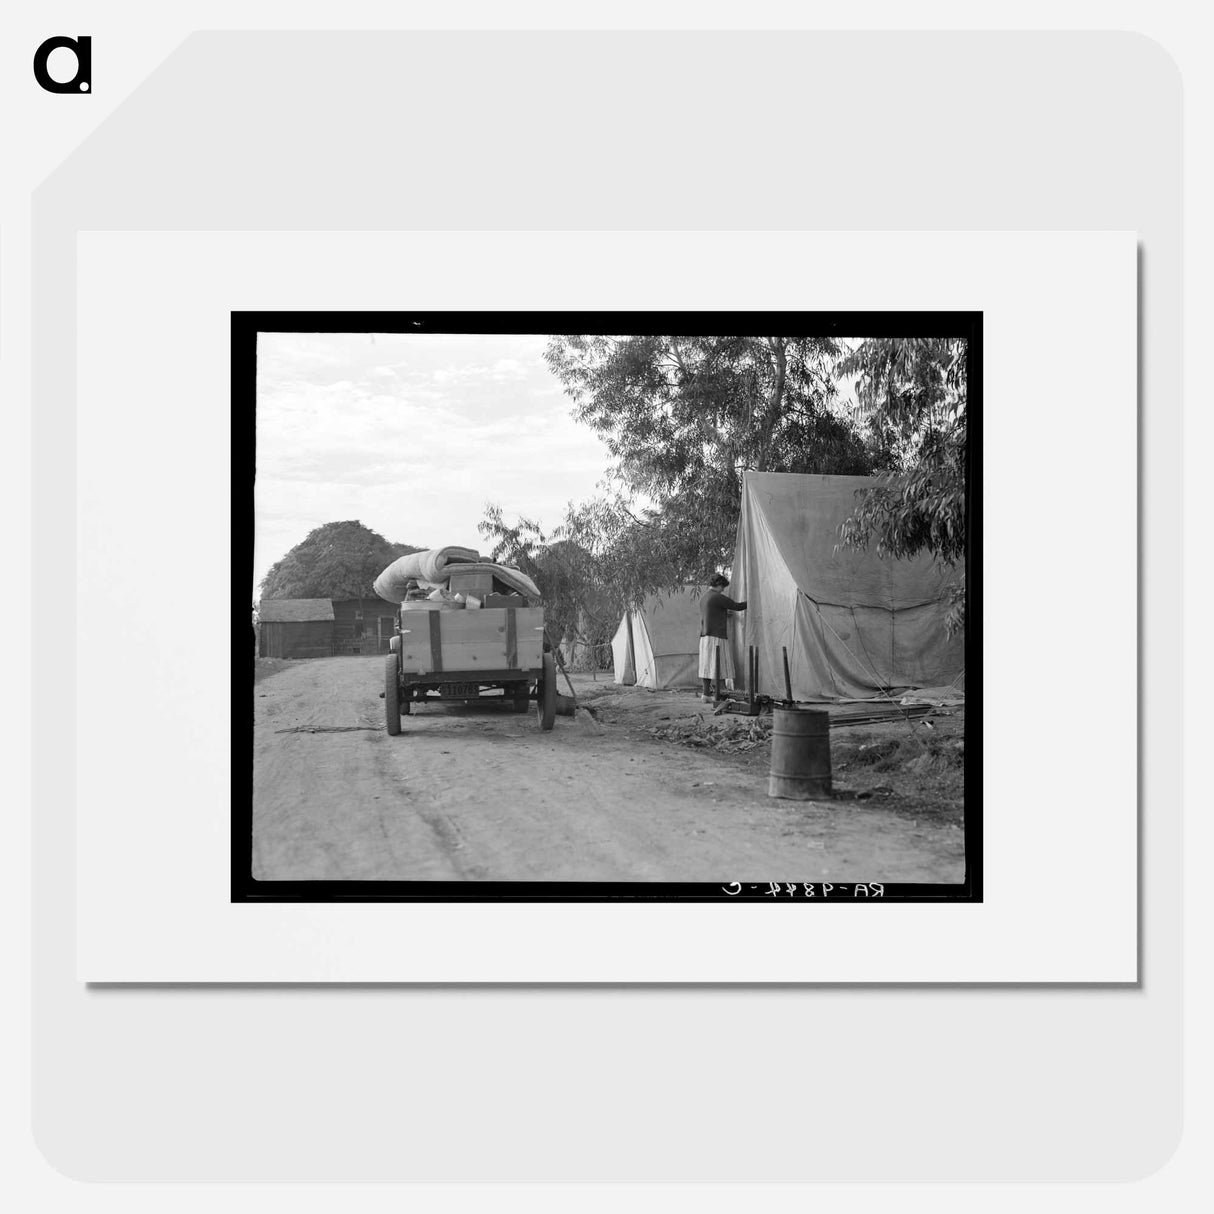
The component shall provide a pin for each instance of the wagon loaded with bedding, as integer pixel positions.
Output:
(465, 630)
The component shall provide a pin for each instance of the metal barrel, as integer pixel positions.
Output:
(800, 754)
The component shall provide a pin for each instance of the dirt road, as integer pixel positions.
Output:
(483, 794)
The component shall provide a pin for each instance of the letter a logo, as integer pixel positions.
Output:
(82, 48)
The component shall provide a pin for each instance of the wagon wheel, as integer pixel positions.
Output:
(521, 698)
(392, 695)
(545, 694)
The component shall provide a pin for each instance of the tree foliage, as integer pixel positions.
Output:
(683, 418)
(636, 550)
(577, 605)
(911, 394)
(336, 561)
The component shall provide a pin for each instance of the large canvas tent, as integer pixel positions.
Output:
(855, 625)
(658, 645)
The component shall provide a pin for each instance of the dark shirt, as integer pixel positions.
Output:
(714, 609)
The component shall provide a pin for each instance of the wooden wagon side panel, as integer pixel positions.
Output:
(471, 640)
(295, 638)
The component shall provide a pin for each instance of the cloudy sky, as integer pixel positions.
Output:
(411, 434)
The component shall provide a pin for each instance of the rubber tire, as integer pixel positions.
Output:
(392, 695)
(545, 700)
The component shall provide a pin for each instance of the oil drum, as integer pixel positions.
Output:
(800, 754)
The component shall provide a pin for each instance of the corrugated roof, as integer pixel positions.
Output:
(281, 610)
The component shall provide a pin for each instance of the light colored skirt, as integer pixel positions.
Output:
(709, 646)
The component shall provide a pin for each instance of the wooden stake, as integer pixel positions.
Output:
(560, 661)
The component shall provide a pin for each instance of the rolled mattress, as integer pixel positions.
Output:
(434, 568)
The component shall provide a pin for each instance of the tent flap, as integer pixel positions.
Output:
(621, 654)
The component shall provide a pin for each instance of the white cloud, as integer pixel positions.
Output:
(412, 434)
(509, 368)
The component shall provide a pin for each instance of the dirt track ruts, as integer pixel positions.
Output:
(483, 794)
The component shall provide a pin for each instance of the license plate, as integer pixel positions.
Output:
(458, 691)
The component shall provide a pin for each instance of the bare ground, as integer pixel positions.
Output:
(482, 793)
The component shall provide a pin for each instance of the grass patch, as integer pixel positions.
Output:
(919, 753)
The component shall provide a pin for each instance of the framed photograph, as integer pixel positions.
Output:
(675, 606)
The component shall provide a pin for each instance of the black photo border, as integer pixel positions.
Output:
(245, 326)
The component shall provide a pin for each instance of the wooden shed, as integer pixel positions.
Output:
(295, 628)
(362, 626)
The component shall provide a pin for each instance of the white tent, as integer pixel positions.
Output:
(855, 625)
(659, 645)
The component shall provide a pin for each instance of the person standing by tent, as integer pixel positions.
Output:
(715, 607)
